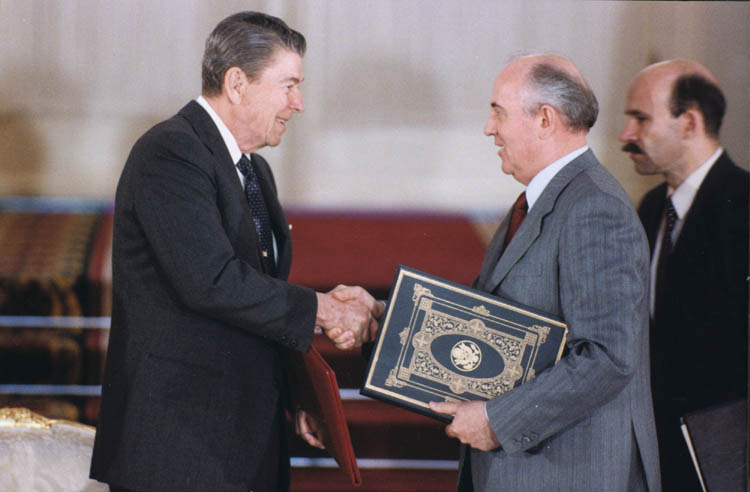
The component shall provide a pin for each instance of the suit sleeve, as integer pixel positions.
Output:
(603, 268)
(175, 201)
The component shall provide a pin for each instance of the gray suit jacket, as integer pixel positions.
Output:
(587, 423)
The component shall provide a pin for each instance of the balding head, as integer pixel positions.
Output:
(685, 84)
(671, 69)
(674, 111)
(541, 110)
(555, 80)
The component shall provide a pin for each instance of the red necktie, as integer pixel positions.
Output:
(516, 217)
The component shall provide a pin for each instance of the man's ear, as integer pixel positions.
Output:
(235, 82)
(547, 120)
(692, 123)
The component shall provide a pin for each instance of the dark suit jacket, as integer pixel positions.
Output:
(699, 331)
(586, 423)
(195, 364)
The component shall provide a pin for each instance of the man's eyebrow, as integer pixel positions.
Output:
(636, 113)
(293, 79)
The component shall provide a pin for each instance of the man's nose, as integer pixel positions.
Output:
(628, 133)
(489, 127)
(297, 102)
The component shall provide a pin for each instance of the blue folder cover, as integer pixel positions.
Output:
(442, 341)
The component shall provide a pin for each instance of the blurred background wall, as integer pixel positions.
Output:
(397, 91)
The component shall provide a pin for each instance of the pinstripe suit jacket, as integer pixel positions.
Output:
(587, 423)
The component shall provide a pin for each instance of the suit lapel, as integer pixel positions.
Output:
(532, 224)
(494, 250)
(206, 130)
(695, 225)
(209, 134)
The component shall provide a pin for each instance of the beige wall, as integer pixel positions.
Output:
(397, 91)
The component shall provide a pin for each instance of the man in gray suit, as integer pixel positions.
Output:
(580, 253)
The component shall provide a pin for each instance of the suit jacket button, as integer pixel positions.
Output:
(283, 339)
(526, 439)
(293, 343)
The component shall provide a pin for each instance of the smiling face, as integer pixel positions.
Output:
(652, 136)
(513, 130)
(265, 105)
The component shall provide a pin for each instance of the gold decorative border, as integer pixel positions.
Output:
(399, 375)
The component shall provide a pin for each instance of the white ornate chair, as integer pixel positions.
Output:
(43, 455)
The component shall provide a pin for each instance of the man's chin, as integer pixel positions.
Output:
(643, 165)
(504, 168)
(273, 141)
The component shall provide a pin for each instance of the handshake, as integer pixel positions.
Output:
(348, 316)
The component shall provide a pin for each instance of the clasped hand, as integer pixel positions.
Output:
(348, 316)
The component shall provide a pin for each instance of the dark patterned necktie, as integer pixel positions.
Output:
(665, 253)
(670, 215)
(258, 207)
(520, 207)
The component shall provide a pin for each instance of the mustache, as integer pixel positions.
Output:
(632, 148)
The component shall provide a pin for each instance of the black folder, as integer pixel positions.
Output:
(442, 341)
(717, 439)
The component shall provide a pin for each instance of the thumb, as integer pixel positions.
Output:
(343, 293)
(448, 407)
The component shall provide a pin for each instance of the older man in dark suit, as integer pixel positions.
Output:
(697, 227)
(193, 397)
(578, 253)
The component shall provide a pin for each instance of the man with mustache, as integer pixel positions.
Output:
(697, 227)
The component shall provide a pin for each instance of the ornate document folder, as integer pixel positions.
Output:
(441, 341)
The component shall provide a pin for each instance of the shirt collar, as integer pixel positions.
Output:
(226, 135)
(543, 177)
(683, 196)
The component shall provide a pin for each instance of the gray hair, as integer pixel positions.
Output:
(573, 98)
(247, 40)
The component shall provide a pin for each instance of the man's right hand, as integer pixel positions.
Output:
(348, 316)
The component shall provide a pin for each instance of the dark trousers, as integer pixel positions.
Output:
(273, 473)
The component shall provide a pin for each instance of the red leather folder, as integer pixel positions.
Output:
(315, 390)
